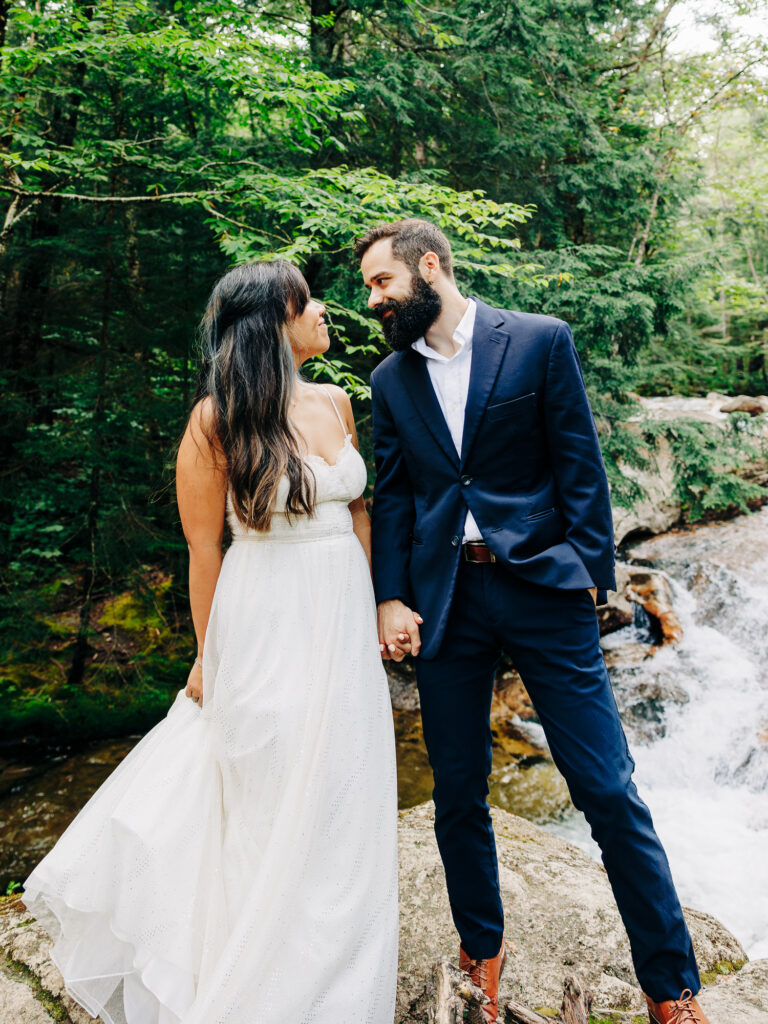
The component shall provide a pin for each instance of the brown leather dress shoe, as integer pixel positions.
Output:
(684, 1010)
(486, 974)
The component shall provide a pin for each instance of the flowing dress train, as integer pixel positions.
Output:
(239, 866)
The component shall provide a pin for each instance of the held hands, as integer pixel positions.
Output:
(398, 630)
(195, 684)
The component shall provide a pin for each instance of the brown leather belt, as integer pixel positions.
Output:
(477, 552)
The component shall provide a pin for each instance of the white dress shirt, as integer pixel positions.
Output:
(450, 380)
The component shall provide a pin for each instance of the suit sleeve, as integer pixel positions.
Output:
(578, 463)
(393, 507)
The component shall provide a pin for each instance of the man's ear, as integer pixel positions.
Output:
(429, 265)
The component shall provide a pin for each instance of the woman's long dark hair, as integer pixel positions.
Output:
(249, 373)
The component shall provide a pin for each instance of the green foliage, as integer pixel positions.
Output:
(146, 146)
(707, 458)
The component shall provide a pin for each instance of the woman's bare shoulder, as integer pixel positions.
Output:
(339, 395)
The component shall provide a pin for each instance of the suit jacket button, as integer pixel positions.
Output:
(455, 541)
(466, 480)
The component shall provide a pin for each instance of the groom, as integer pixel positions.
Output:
(492, 517)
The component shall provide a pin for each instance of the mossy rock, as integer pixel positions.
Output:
(724, 968)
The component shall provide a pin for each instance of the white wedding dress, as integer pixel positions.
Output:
(240, 865)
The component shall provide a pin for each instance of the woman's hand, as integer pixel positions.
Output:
(194, 688)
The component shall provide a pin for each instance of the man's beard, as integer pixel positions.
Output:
(410, 318)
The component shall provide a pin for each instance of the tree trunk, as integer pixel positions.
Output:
(643, 243)
(321, 38)
(80, 652)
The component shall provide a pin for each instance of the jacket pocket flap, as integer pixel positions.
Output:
(522, 406)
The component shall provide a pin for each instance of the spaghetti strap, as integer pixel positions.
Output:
(336, 409)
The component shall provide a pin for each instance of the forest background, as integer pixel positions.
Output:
(584, 159)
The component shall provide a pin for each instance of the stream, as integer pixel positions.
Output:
(700, 740)
(696, 715)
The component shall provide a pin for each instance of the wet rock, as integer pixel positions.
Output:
(519, 748)
(534, 790)
(510, 698)
(651, 590)
(403, 691)
(660, 509)
(736, 545)
(753, 404)
(560, 914)
(627, 655)
(619, 611)
(644, 702)
(414, 775)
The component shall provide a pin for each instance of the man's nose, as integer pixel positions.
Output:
(374, 299)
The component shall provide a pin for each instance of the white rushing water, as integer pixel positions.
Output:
(702, 751)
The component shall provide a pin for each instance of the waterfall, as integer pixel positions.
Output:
(699, 729)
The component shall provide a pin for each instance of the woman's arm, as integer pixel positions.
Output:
(361, 521)
(201, 487)
(361, 524)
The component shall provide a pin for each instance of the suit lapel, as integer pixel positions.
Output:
(488, 347)
(416, 378)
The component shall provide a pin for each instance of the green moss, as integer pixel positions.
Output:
(46, 999)
(617, 1018)
(57, 627)
(79, 715)
(721, 968)
(138, 662)
(136, 611)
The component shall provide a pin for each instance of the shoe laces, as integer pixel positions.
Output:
(478, 972)
(683, 1011)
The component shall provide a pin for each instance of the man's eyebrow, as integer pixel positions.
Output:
(376, 277)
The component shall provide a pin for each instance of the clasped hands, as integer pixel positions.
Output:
(398, 630)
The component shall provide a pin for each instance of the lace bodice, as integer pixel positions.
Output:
(336, 485)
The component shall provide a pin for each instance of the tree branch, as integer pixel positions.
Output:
(79, 198)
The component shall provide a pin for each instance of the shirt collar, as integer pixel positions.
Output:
(462, 336)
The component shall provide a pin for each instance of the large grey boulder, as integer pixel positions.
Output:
(560, 914)
(32, 988)
(561, 919)
(660, 509)
(18, 1002)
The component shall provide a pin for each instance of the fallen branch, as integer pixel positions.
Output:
(454, 999)
(577, 1002)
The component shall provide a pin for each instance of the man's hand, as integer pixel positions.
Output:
(398, 630)
(593, 592)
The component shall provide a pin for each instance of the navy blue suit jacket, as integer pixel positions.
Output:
(531, 470)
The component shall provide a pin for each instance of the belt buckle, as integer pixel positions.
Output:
(477, 561)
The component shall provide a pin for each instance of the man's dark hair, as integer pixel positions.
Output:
(410, 240)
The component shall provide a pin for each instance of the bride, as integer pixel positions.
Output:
(239, 866)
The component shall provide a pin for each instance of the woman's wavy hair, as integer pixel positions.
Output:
(249, 373)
